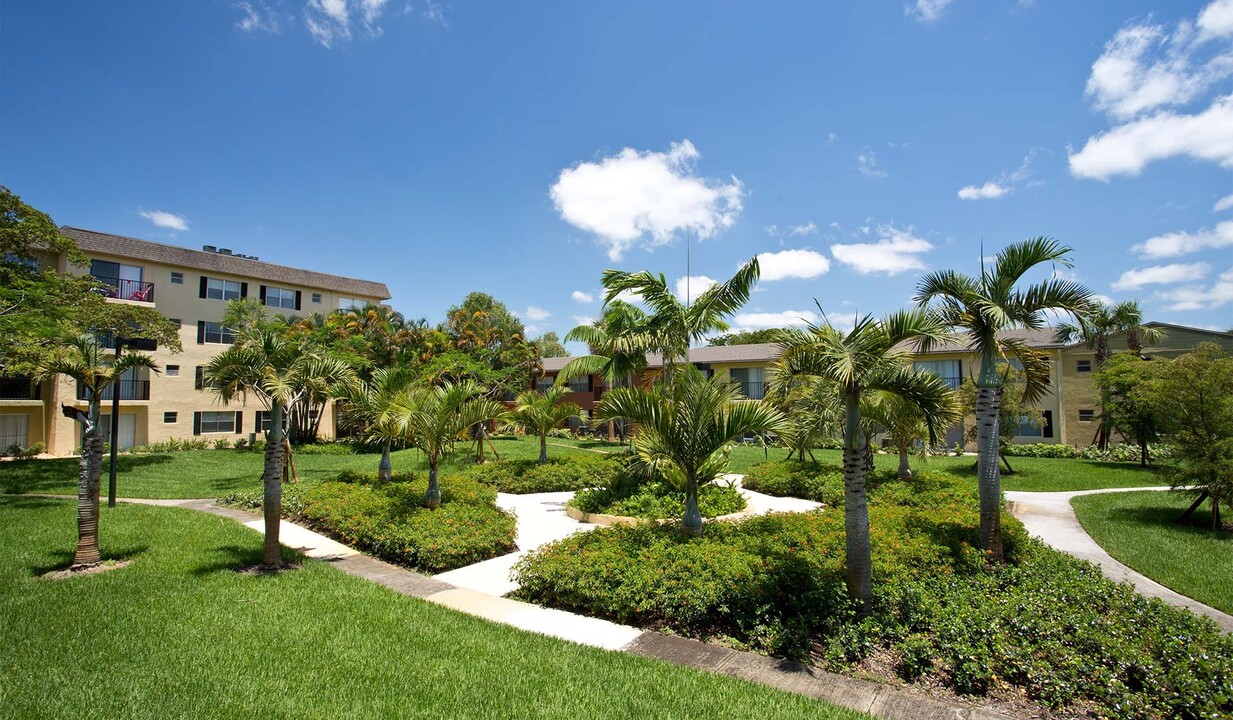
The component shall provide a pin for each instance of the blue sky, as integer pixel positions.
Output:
(520, 149)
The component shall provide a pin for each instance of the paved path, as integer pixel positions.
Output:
(1050, 517)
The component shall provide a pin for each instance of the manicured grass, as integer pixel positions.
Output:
(213, 473)
(178, 634)
(1141, 530)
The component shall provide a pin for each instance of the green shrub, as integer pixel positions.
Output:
(811, 481)
(1041, 450)
(1115, 453)
(17, 452)
(293, 500)
(558, 474)
(562, 433)
(222, 443)
(324, 449)
(656, 501)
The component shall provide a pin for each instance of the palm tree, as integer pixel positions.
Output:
(365, 403)
(618, 342)
(1096, 329)
(906, 422)
(864, 359)
(280, 373)
(84, 359)
(813, 409)
(685, 426)
(674, 325)
(983, 307)
(434, 419)
(538, 412)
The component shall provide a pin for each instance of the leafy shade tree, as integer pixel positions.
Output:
(862, 360)
(674, 325)
(1097, 329)
(685, 427)
(1127, 384)
(263, 362)
(538, 412)
(746, 337)
(549, 345)
(84, 359)
(1194, 395)
(364, 408)
(983, 307)
(498, 321)
(435, 419)
(907, 423)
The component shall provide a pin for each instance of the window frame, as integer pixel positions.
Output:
(222, 332)
(177, 277)
(1083, 366)
(171, 371)
(217, 423)
(224, 292)
(1091, 416)
(286, 297)
(173, 415)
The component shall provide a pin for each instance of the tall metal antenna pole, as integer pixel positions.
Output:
(688, 298)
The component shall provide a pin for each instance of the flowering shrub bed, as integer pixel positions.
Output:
(1045, 625)
(656, 501)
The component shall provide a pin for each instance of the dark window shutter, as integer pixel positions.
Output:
(261, 294)
(196, 423)
(203, 286)
(201, 332)
(199, 378)
(239, 422)
(243, 289)
(590, 382)
(298, 296)
(1047, 425)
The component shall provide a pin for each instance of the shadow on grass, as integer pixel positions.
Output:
(64, 558)
(231, 558)
(34, 476)
(1169, 516)
(12, 502)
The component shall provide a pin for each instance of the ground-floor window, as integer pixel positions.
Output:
(217, 422)
(14, 430)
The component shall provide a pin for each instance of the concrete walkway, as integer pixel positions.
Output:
(1050, 517)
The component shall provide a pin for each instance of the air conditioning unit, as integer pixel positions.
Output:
(224, 251)
(209, 248)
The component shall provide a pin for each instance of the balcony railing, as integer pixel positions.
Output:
(752, 390)
(19, 388)
(129, 390)
(952, 382)
(125, 289)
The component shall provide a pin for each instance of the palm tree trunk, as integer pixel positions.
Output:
(90, 473)
(858, 555)
(905, 470)
(543, 449)
(386, 468)
(272, 501)
(691, 524)
(432, 499)
(988, 414)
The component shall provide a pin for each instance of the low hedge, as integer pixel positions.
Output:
(812, 481)
(1045, 625)
(656, 501)
(1115, 453)
(558, 474)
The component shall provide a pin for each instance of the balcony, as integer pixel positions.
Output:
(951, 382)
(19, 388)
(122, 289)
(129, 390)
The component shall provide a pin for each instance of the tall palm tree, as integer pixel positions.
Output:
(280, 373)
(538, 412)
(84, 359)
(686, 424)
(618, 342)
(983, 307)
(872, 356)
(1096, 329)
(674, 325)
(434, 419)
(364, 404)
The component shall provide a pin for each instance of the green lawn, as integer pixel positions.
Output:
(178, 634)
(1141, 530)
(212, 473)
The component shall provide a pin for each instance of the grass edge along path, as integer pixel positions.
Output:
(1140, 530)
(179, 634)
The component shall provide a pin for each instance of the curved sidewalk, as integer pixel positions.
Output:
(1050, 517)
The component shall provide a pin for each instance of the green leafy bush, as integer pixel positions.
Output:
(1041, 450)
(811, 481)
(17, 452)
(563, 473)
(657, 501)
(1115, 453)
(324, 449)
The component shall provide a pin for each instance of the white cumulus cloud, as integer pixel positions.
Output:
(792, 264)
(582, 297)
(1160, 275)
(926, 10)
(764, 320)
(1004, 184)
(536, 314)
(256, 17)
(1224, 203)
(171, 221)
(1201, 297)
(991, 189)
(808, 228)
(1128, 148)
(1184, 243)
(897, 251)
(697, 284)
(645, 197)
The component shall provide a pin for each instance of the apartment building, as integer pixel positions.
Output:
(191, 287)
(1070, 408)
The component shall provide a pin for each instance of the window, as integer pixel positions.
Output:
(217, 333)
(216, 289)
(750, 381)
(543, 383)
(199, 378)
(172, 370)
(345, 303)
(263, 420)
(278, 297)
(1083, 365)
(1027, 428)
(316, 297)
(217, 422)
(1087, 415)
(179, 323)
(177, 278)
(580, 384)
(169, 418)
(949, 370)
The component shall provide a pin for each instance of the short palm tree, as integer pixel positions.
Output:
(685, 426)
(364, 404)
(618, 343)
(674, 325)
(435, 418)
(538, 412)
(983, 307)
(872, 356)
(906, 423)
(264, 363)
(84, 359)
